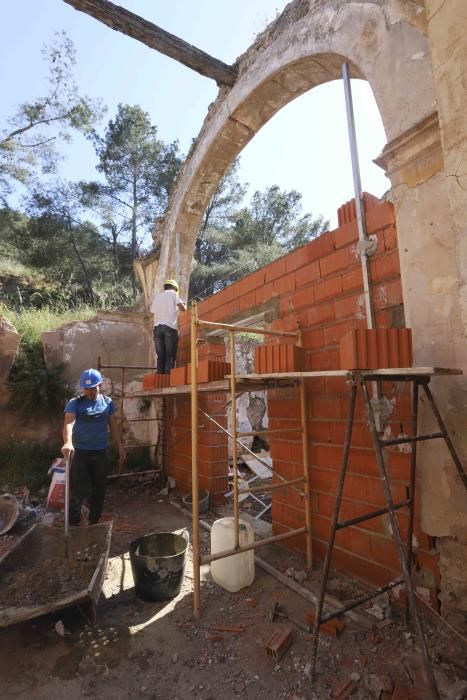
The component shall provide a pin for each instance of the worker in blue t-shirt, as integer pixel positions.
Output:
(85, 436)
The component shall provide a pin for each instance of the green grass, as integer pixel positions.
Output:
(30, 323)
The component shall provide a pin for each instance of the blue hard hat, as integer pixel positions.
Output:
(90, 378)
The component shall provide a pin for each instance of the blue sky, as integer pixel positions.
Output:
(305, 146)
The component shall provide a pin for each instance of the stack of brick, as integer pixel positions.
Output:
(320, 285)
(279, 358)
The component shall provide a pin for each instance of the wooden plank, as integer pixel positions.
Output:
(122, 20)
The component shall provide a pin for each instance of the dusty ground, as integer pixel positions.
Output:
(156, 650)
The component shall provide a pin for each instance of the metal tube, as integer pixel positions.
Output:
(120, 424)
(400, 550)
(333, 527)
(410, 439)
(306, 475)
(234, 437)
(271, 487)
(270, 432)
(246, 329)
(67, 504)
(194, 465)
(368, 516)
(362, 599)
(413, 468)
(253, 545)
(370, 316)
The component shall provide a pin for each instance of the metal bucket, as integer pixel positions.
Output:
(203, 500)
(158, 565)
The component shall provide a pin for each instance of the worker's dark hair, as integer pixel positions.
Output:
(170, 286)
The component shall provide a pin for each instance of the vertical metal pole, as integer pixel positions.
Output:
(194, 464)
(67, 504)
(306, 475)
(362, 235)
(400, 550)
(120, 427)
(370, 316)
(233, 405)
(412, 486)
(333, 527)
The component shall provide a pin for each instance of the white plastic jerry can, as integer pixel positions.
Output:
(237, 571)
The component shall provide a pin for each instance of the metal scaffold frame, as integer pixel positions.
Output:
(160, 445)
(198, 561)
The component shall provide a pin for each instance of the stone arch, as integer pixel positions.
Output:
(303, 48)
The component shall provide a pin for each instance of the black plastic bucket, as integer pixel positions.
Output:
(158, 565)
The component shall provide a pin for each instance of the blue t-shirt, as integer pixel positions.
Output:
(92, 421)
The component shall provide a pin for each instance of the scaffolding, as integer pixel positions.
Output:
(160, 445)
(357, 380)
(235, 387)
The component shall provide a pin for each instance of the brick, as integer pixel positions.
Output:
(380, 216)
(247, 301)
(336, 262)
(178, 376)
(325, 360)
(264, 293)
(279, 358)
(148, 381)
(324, 407)
(325, 289)
(390, 237)
(304, 298)
(161, 381)
(387, 294)
(353, 279)
(334, 333)
(305, 275)
(333, 628)
(376, 348)
(320, 313)
(314, 339)
(320, 247)
(283, 285)
(346, 234)
(295, 260)
(211, 370)
(352, 306)
(274, 270)
(385, 266)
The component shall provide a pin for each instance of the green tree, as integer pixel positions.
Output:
(33, 133)
(251, 237)
(139, 171)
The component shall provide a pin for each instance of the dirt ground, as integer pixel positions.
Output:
(139, 649)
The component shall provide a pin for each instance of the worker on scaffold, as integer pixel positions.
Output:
(164, 307)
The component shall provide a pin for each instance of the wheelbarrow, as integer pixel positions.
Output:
(46, 571)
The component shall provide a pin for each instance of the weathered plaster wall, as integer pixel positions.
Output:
(117, 338)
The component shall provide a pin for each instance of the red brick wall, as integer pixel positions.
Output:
(320, 285)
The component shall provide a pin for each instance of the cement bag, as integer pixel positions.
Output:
(56, 495)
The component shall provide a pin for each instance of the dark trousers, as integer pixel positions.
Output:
(88, 478)
(166, 342)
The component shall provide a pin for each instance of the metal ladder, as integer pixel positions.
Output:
(359, 379)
